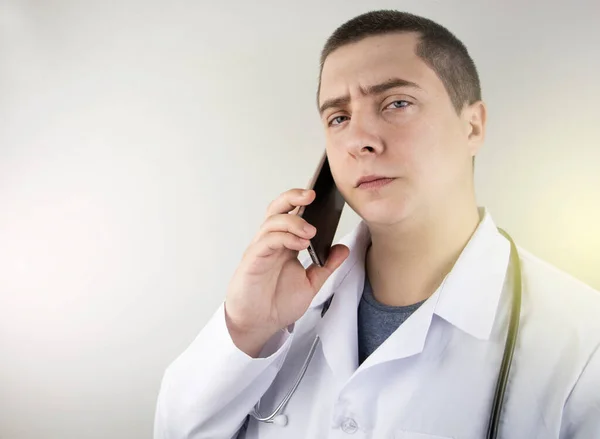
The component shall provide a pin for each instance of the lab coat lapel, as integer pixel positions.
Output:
(467, 298)
(477, 278)
(408, 339)
(338, 327)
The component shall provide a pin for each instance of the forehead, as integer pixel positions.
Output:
(373, 60)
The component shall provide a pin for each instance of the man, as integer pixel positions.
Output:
(411, 345)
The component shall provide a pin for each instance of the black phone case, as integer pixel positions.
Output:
(324, 213)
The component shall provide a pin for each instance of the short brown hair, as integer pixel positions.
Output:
(445, 54)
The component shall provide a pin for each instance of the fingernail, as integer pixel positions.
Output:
(306, 193)
(309, 229)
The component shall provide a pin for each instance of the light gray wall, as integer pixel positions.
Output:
(140, 142)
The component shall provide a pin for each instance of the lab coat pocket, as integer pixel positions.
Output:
(415, 435)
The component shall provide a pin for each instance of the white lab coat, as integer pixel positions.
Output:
(433, 378)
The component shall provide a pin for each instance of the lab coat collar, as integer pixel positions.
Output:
(338, 327)
(357, 242)
(470, 294)
(468, 299)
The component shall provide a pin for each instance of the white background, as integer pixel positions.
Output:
(141, 141)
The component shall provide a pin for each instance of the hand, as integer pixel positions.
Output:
(271, 289)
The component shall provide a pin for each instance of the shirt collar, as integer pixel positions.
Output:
(469, 295)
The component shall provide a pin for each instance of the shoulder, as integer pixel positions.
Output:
(555, 291)
(563, 308)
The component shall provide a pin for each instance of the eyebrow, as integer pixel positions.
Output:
(369, 91)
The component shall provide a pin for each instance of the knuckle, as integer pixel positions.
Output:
(293, 195)
(284, 222)
(271, 206)
(272, 224)
(287, 196)
(292, 221)
(266, 223)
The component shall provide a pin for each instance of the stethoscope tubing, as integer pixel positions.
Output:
(509, 349)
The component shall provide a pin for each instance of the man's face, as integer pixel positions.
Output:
(409, 133)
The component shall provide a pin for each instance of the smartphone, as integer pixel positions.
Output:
(324, 212)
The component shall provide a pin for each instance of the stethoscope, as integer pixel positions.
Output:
(278, 418)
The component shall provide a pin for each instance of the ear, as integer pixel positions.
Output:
(474, 117)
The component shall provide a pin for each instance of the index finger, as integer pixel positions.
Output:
(290, 200)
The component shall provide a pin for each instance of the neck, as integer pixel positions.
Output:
(406, 263)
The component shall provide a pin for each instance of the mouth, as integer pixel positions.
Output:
(373, 181)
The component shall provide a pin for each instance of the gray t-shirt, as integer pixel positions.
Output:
(376, 321)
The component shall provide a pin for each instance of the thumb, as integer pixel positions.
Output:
(318, 275)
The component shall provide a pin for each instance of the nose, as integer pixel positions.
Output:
(363, 138)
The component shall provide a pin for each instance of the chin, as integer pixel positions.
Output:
(383, 211)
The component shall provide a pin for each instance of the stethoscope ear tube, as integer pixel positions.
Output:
(511, 339)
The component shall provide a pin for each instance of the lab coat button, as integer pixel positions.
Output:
(349, 426)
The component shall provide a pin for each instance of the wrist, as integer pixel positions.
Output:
(250, 340)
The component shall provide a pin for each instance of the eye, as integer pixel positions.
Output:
(337, 120)
(399, 104)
